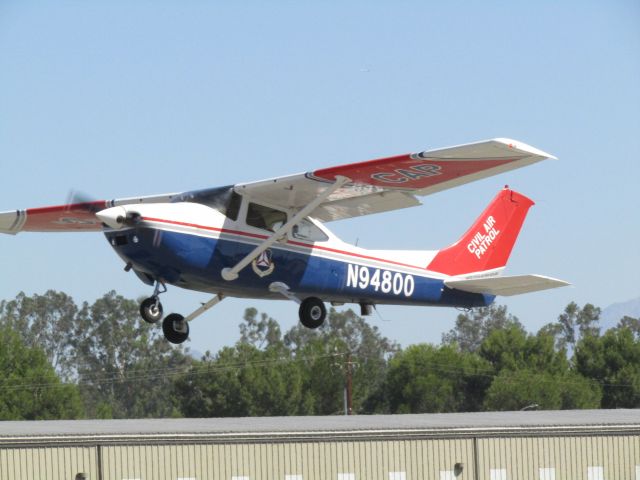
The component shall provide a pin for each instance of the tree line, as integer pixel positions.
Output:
(61, 360)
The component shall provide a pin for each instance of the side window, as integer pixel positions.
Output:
(306, 230)
(266, 218)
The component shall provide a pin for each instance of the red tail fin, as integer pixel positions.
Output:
(488, 243)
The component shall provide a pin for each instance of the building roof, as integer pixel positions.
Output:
(565, 422)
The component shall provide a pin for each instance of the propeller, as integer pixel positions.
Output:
(80, 201)
(115, 217)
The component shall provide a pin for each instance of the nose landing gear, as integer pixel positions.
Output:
(175, 327)
(151, 308)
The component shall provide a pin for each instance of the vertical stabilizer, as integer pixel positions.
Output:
(488, 243)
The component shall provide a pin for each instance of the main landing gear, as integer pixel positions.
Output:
(175, 327)
(312, 311)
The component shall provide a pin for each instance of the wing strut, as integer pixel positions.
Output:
(232, 273)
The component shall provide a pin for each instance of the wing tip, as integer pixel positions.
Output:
(524, 147)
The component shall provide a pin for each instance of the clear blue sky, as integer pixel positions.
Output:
(128, 98)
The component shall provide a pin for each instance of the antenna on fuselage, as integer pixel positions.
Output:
(375, 307)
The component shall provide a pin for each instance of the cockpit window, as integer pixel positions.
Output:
(266, 218)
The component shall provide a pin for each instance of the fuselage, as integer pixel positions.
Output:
(188, 244)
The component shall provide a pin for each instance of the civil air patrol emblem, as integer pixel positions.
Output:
(263, 264)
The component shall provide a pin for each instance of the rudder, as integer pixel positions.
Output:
(488, 243)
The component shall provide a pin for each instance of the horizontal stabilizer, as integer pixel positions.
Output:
(506, 286)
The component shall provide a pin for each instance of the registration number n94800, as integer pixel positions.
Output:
(359, 276)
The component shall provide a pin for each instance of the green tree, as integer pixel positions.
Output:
(518, 389)
(574, 324)
(614, 361)
(301, 373)
(633, 324)
(513, 349)
(243, 381)
(125, 366)
(44, 321)
(530, 370)
(29, 386)
(427, 378)
(344, 343)
(475, 325)
(261, 332)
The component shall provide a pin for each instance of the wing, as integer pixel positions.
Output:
(394, 182)
(76, 217)
(374, 186)
(507, 286)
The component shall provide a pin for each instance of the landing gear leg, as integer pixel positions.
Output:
(176, 327)
(151, 308)
(312, 311)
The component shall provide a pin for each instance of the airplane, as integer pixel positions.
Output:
(268, 240)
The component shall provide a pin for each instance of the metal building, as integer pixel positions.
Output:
(576, 445)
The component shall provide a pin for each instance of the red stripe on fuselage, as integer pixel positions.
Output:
(289, 242)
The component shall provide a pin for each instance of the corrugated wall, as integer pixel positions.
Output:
(518, 458)
(54, 463)
(556, 458)
(293, 461)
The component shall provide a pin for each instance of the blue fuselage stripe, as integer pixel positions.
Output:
(195, 262)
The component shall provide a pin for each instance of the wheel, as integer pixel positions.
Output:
(175, 333)
(151, 310)
(312, 312)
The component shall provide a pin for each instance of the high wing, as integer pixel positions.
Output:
(394, 182)
(374, 186)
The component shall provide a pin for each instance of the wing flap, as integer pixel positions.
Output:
(507, 286)
(365, 205)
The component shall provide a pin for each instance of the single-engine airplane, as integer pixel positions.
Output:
(267, 239)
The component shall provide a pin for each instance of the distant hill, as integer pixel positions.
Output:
(612, 314)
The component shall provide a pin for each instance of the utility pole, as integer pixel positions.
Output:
(348, 366)
(348, 387)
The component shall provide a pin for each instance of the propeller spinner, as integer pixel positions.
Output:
(118, 217)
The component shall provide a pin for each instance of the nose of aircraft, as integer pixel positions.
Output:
(115, 217)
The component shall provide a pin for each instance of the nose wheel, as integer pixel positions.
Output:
(151, 309)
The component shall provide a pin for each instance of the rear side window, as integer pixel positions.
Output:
(305, 230)
(266, 218)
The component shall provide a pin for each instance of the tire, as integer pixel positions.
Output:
(170, 333)
(151, 310)
(312, 312)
